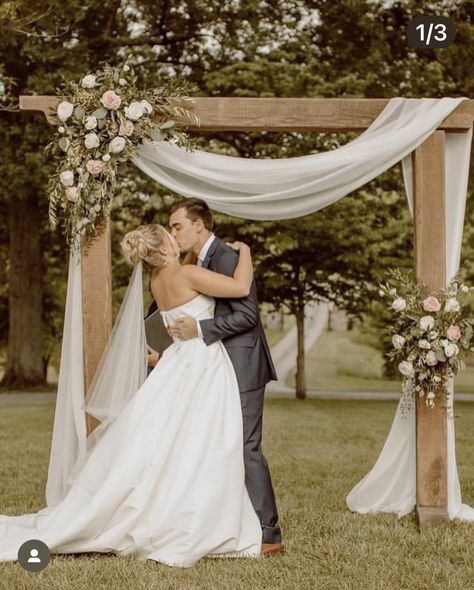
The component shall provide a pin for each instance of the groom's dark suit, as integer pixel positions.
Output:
(237, 323)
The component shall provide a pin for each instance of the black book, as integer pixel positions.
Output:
(156, 334)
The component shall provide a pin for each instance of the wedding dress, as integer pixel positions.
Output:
(166, 480)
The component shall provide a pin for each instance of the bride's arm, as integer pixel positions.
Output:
(212, 283)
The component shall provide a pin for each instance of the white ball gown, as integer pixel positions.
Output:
(166, 481)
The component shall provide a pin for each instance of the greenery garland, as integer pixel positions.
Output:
(102, 121)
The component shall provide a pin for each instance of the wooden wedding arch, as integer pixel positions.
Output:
(310, 115)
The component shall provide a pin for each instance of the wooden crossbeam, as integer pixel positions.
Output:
(279, 114)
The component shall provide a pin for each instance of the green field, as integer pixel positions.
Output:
(348, 361)
(317, 451)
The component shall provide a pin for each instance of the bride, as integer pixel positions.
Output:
(166, 479)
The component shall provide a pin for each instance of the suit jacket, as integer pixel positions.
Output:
(237, 323)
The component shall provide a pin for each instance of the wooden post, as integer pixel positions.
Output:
(96, 304)
(430, 267)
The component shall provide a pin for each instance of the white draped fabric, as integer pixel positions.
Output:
(288, 188)
(278, 189)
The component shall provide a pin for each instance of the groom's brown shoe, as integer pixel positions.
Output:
(271, 549)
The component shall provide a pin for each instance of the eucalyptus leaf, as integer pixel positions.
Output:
(168, 124)
(441, 356)
(79, 113)
(64, 144)
(100, 113)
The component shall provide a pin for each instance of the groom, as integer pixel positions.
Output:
(237, 323)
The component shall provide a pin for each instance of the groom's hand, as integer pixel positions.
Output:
(184, 328)
(153, 356)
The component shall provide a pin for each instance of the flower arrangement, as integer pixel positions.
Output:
(430, 330)
(102, 120)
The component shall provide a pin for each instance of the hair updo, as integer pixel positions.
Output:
(144, 243)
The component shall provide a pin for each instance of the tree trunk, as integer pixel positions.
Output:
(300, 357)
(24, 366)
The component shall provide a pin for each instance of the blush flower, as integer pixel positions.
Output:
(110, 100)
(453, 333)
(431, 304)
(95, 167)
(430, 358)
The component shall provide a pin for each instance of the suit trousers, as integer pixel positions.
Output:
(257, 475)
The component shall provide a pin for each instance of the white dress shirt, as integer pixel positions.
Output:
(201, 256)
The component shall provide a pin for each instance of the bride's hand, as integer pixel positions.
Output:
(238, 246)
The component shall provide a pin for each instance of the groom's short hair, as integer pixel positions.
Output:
(195, 209)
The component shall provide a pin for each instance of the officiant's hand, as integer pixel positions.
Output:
(153, 356)
(184, 328)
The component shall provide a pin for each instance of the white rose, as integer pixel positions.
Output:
(106, 157)
(452, 305)
(406, 368)
(399, 304)
(427, 322)
(117, 145)
(451, 349)
(147, 106)
(424, 344)
(61, 129)
(92, 141)
(67, 178)
(134, 111)
(398, 341)
(65, 110)
(381, 293)
(122, 82)
(430, 395)
(89, 81)
(464, 288)
(433, 335)
(90, 122)
(444, 342)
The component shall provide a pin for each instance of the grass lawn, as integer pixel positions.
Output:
(317, 451)
(347, 361)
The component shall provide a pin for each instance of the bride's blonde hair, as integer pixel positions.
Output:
(144, 243)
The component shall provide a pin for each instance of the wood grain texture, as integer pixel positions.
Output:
(278, 114)
(430, 267)
(96, 304)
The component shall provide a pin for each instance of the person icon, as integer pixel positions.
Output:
(34, 556)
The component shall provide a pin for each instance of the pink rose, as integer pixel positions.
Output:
(95, 167)
(110, 100)
(431, 304)
(72, 194)
(430, 358)
(454, 333)
(126, 128)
